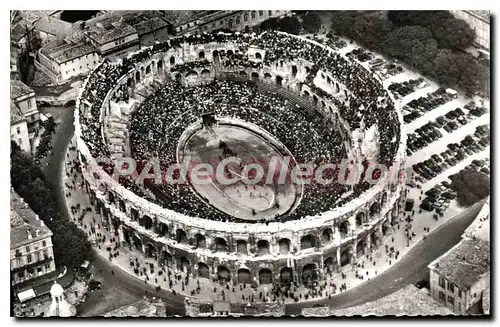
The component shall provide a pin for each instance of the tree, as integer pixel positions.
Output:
(343, 21)
(453, 33)
(371, 30)
(311, 23)
(471, 186)
(290, 25)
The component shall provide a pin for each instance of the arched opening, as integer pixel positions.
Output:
(137, 77)
(255, 75)
(309, 274)
(159, 65)
(307, 242)
(294, 70)
(223, 274)
(172, 60)
(111, 197)
(329, 264)
(203, 271)
(279, 80)
(178, 77)
(230, 24)
(241, 247)
(148, 222)
(148, 69)
(129, 82)
(284, 245)
(384, 198)
(308, 69)
(244, 276)
(168, 260)
(230, 52)
(263, 247)
(183, 264)
(180, 236)
(327, 235)
(191, 73)
(344, 228)
(374, 209)
(200, 240)
(243, 73)
(258, 55)
(286, 275)
(323, 105)
(345, 258)
(361, 247)
(265, 276)
(142, 70)
(306, 94)
(137, 243)
(201, 54)
(121, 204)
(162, 229)
(315, 99)
(360, 219)
(328, 79)
(134, 214)
(386, 227)
(127, 235)
(150, 249)
(267, 76)
(254, 14)
(205, 72)
(220, 245)
(69, 103)
(215, 53)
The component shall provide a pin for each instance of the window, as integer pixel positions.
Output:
(451, 287)
(18, 130)
(44, 243)
(20, 275)
(27, 249)
(29, 104)
(38, 256)
(460, 293)
(270, 12)
(442, 282)
(261, 12)
(29, 258)
(451, 299)
(245, 17)
(475, 294)
(238, 20)
(221, 22)
(47, 266)
(20, 141)
(253, 14)
(45, 254)
(39, 269)
(442, 296)
(18, 253)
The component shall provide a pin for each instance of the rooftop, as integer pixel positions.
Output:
(68, 51)
(34, 15)
(18, 31)
(15, 113)
(465, 263)
(142, 308)
(408, 301)
(53, 26)
(179, 17)
(19, 89)
(24, 222)
(150, 25)
(105, 31)
(484, 14)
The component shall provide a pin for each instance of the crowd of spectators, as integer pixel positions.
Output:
(161, 119)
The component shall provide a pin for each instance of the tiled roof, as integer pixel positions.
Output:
(24, 222)
(18, 31)
(179, 17)
(150, 25)
(486, 297)
(52, 26)
(18, 89)
(104, 33)
(408, 301)
(15, 113)
(67, 52)
(465, 263)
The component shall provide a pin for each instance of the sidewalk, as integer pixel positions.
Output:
(368, 266)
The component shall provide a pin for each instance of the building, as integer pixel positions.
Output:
(24, 99)
(459, 277)
(479, 21)
(31, 254)
(408, 301)
(59, 307)
(48, 29)
(68, 60)
(199, 308)
(152, 30)
(146, 307)
(19, 128)
(112, 38)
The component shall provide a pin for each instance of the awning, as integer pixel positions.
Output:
(26, 295)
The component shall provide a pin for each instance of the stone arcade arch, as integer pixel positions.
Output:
(121, 205)
(180, 236)
(172, 60)
(294, 70)
(150, 250)
(162, 229)
(265, 276)
(183, 264)
(284, 245)
(327, 236)
(329, 264)
(243, 73)
(191, 73)
(127, 235)
(201, 54)
(223, 274)
(229, 52)
(134, 214)
(159, 65)
(148, 69)
(137, 242)
(258, 55)
(263, 247)
(244, 276)
(361, 246)
(267, 76)
(307, 241)
(279, 80)
(178, 77)
(360, 219)
(241, 247)
(215, 53)
(306, 94)
(220, 244)
(286, 275)
(168, 259)
(205, 72)
(315, 99)
(137, 76)
(200, 241)
(345, 257)
(111, 197)
(309, 274)
(374, 209)
(255, 75)
(203, 271)
(147, 222)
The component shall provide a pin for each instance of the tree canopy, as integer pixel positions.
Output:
(311, 22)
(471, 186)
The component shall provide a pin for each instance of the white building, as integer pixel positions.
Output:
(459, 277)
(112, 38)
(19, 128)
(48, 29)
(479, 21)
(31, 254)
(24, 99)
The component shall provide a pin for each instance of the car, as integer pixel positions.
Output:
(462, 121)
(485, 170)
(447, 128)
(94, 285)
(446, 184)
(436, 158)
(459, 112)
(478, 163)
(468, 151)
(452, 146)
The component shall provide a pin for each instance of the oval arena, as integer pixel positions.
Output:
(268, 95)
